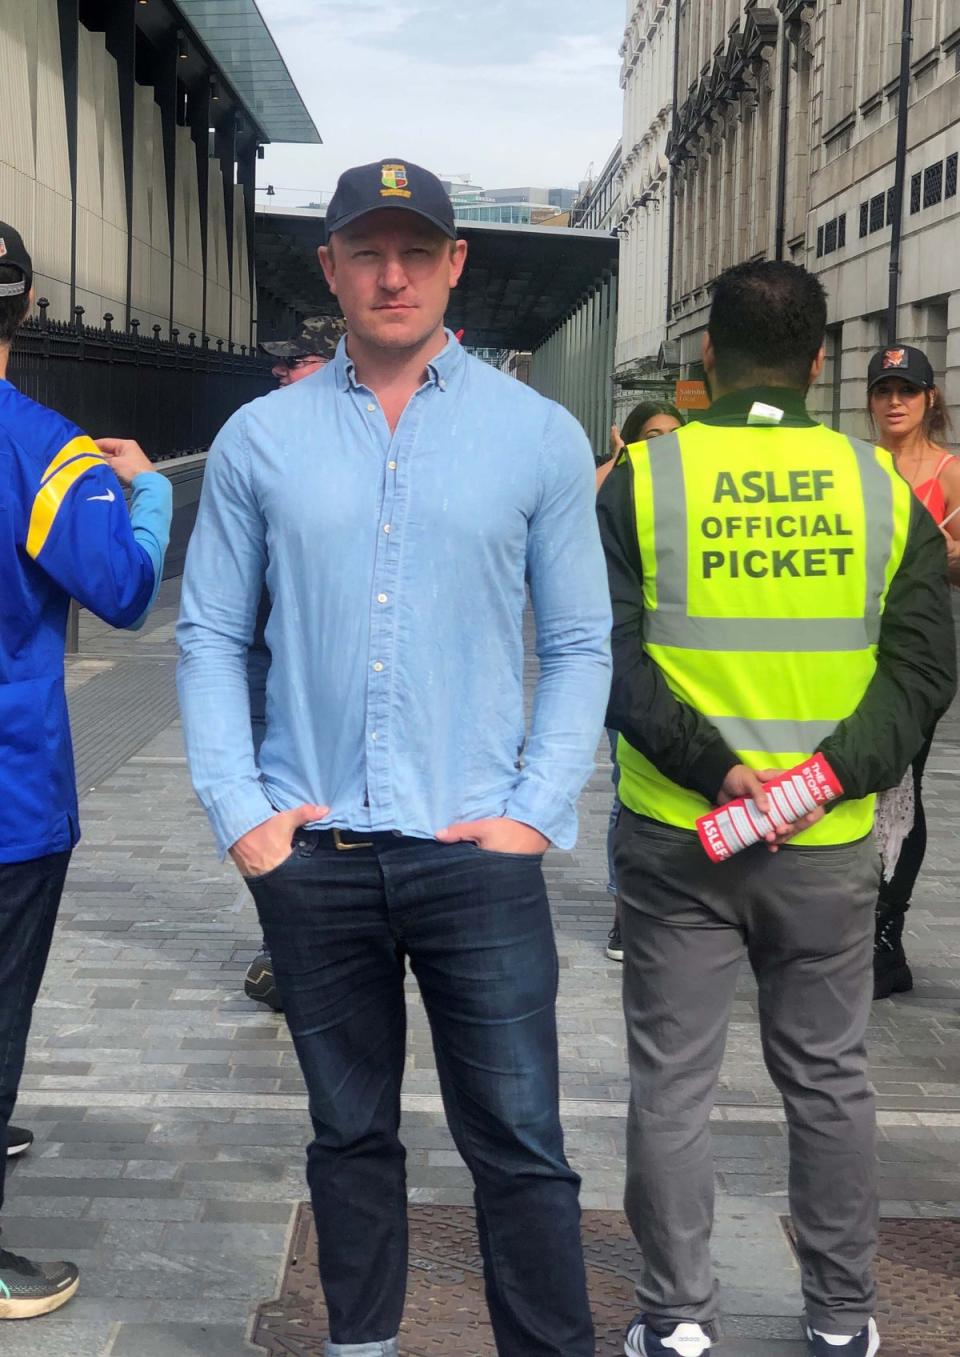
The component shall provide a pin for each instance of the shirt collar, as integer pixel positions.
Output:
(734, 407)
(439, 370)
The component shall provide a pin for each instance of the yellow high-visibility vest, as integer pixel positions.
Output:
(767, 556)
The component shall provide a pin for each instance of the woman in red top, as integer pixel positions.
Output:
(911, 421)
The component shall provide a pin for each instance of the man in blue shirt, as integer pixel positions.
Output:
(65, 532)
(398, 504)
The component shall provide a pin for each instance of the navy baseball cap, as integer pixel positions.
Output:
(13, 255)
(390, 183)
(912, 365)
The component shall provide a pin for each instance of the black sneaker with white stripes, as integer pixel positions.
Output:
(682, 1340)
(866, 1343)
(18, 1141)
(30, 1289)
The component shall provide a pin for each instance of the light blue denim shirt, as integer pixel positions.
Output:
(397, 565)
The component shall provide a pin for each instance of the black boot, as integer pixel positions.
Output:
(891, 971)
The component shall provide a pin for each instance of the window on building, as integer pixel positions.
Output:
(933, 184)
(841, 230)
(891, 198)
(915, 190)
(950, 179)
(864, 219)
(830, 237)
(878, 205)
(820, 235)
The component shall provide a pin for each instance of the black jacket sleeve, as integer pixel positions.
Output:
(916, 671)
(677, 740)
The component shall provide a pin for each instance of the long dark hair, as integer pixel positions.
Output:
(632, 429)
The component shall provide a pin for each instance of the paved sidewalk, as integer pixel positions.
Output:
(170, 1114)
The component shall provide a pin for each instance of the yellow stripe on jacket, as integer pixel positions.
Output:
(70, 463)
(81, 446)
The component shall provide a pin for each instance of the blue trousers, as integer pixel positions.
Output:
(476, 929)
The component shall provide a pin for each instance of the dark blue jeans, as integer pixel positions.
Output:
(476, 928)
(29, 899)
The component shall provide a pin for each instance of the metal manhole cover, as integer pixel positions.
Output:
(446, 1314)
(918, 1282)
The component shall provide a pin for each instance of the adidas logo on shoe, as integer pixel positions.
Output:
(686, 1340)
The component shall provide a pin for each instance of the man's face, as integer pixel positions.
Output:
(392, 272)
(289, 370)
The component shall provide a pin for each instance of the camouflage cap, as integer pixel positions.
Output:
(318, 336)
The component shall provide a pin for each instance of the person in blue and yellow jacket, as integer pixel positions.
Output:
(65, 532)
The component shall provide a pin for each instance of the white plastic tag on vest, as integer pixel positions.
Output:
(764, 414)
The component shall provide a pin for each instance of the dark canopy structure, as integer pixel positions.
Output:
(519, 284)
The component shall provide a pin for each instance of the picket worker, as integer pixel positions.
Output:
(65, 533)
(398, 505)
(777, 591)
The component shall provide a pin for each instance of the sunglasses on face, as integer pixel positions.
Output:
(291, 364)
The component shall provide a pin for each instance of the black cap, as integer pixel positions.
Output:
(13, 255)
(390, 183)
(911, 365)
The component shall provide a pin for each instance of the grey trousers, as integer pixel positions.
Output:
(804, 917)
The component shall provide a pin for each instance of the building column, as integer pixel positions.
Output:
(951, 375)
(247, 179)
(67, 12)
(860, 340)
(167, 85)
(199, 117)
(225, 149)
(121, 43)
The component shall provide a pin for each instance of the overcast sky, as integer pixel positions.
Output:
(511, 92)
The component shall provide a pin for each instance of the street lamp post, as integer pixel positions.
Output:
(903, 110)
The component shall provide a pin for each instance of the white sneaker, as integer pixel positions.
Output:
(866, 1343)
(686, 1340)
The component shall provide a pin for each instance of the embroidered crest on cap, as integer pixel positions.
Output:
(394, 181)
(3, 247)
(895, 358)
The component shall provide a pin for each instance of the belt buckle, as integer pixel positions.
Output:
(342, 847)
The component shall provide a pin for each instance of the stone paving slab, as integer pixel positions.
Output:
(170, 1113)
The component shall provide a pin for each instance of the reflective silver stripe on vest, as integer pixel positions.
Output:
(671, 623)
(878, 513)
(758, 633)
(786, 736)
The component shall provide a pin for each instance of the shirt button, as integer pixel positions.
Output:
(375, 735)
(391, 466)
(377, 667)
(371, 408)
(381, 598)
(386, 527)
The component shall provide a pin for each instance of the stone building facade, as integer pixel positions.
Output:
(784, 146)
(128, 158)
(646, 76)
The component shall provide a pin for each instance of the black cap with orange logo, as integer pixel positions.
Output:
(910, 365)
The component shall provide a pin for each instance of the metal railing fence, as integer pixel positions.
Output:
(172, 396)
